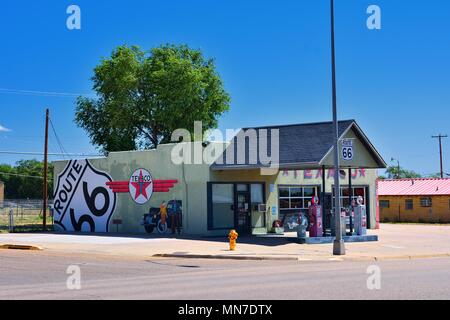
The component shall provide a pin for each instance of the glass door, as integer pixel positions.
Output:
(243, 212)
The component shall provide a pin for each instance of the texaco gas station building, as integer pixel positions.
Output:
(111, 194)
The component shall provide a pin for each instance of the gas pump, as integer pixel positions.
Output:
(315, 219)
(360, 217)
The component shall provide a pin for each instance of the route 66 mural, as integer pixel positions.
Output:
(82, 200)
(85, 198)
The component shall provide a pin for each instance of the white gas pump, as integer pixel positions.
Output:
(360, 217)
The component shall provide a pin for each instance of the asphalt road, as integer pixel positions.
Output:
(41, 275)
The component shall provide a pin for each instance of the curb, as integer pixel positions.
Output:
(412, 257)
(401, 257)
(299, 258)
(223, 257)
(20, 247)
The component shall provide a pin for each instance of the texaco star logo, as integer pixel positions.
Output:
(141, 186)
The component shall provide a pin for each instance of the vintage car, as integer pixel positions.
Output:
(151, 220)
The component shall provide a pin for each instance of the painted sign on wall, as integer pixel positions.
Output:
(141, 186)
(85, 198)
(82, 202)
(329, 174)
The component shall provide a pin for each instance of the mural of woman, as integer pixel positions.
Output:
(163, 213)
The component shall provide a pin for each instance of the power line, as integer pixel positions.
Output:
(51, 154)
(21, 175)
(57, 139)
(44, 93)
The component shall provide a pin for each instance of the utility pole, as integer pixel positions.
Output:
(45, 186)
(338, 244)
(440, 136)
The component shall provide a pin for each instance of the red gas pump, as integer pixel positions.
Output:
(315, 219)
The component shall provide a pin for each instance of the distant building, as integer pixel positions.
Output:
(2, 191)
(414, 200)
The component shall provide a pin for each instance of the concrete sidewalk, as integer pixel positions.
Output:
(396, 242)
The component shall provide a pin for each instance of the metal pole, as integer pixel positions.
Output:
(440, 156)
(338, 245)
(45, 191)
(350, 199)
(322, 200)
(11, 220)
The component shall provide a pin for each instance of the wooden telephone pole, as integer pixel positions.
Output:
(45, 186)
(440, 136)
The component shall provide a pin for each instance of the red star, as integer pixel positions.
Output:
(141, 186)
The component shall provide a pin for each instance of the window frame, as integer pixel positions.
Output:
(343, 197)
(210, 213)
(388, 202)
(411, 202)
(304, 199)
(209, 196)
(426, 202)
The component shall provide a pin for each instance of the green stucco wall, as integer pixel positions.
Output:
(192, 187)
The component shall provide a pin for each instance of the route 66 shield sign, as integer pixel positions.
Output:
(82, 202)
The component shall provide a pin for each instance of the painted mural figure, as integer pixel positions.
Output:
(162, 223)
(174, 212)
(172, 217)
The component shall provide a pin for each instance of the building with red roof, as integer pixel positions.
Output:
(414, 200)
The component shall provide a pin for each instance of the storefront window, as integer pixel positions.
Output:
(296, 197)
(297, 203)
(293, 200)
(222, 206)
(310, 192)
(284, 204)
(241, 187)
(283, 192)
(257, 198)
(257, 193)
(296, 192)
(345, 193)
(359, 192)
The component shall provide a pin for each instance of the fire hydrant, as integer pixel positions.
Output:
(233, 235)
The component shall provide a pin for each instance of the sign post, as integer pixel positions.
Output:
(338, 245)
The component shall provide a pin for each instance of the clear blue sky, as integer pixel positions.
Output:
(273, 56)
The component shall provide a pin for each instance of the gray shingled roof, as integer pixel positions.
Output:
(300, 144)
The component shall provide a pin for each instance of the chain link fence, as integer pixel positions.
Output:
(23, 215)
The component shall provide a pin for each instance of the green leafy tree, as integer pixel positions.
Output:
(24, 180)
(437, 175)
(392, 172)
(142, 97)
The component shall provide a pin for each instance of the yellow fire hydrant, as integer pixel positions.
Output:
(233, 235)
